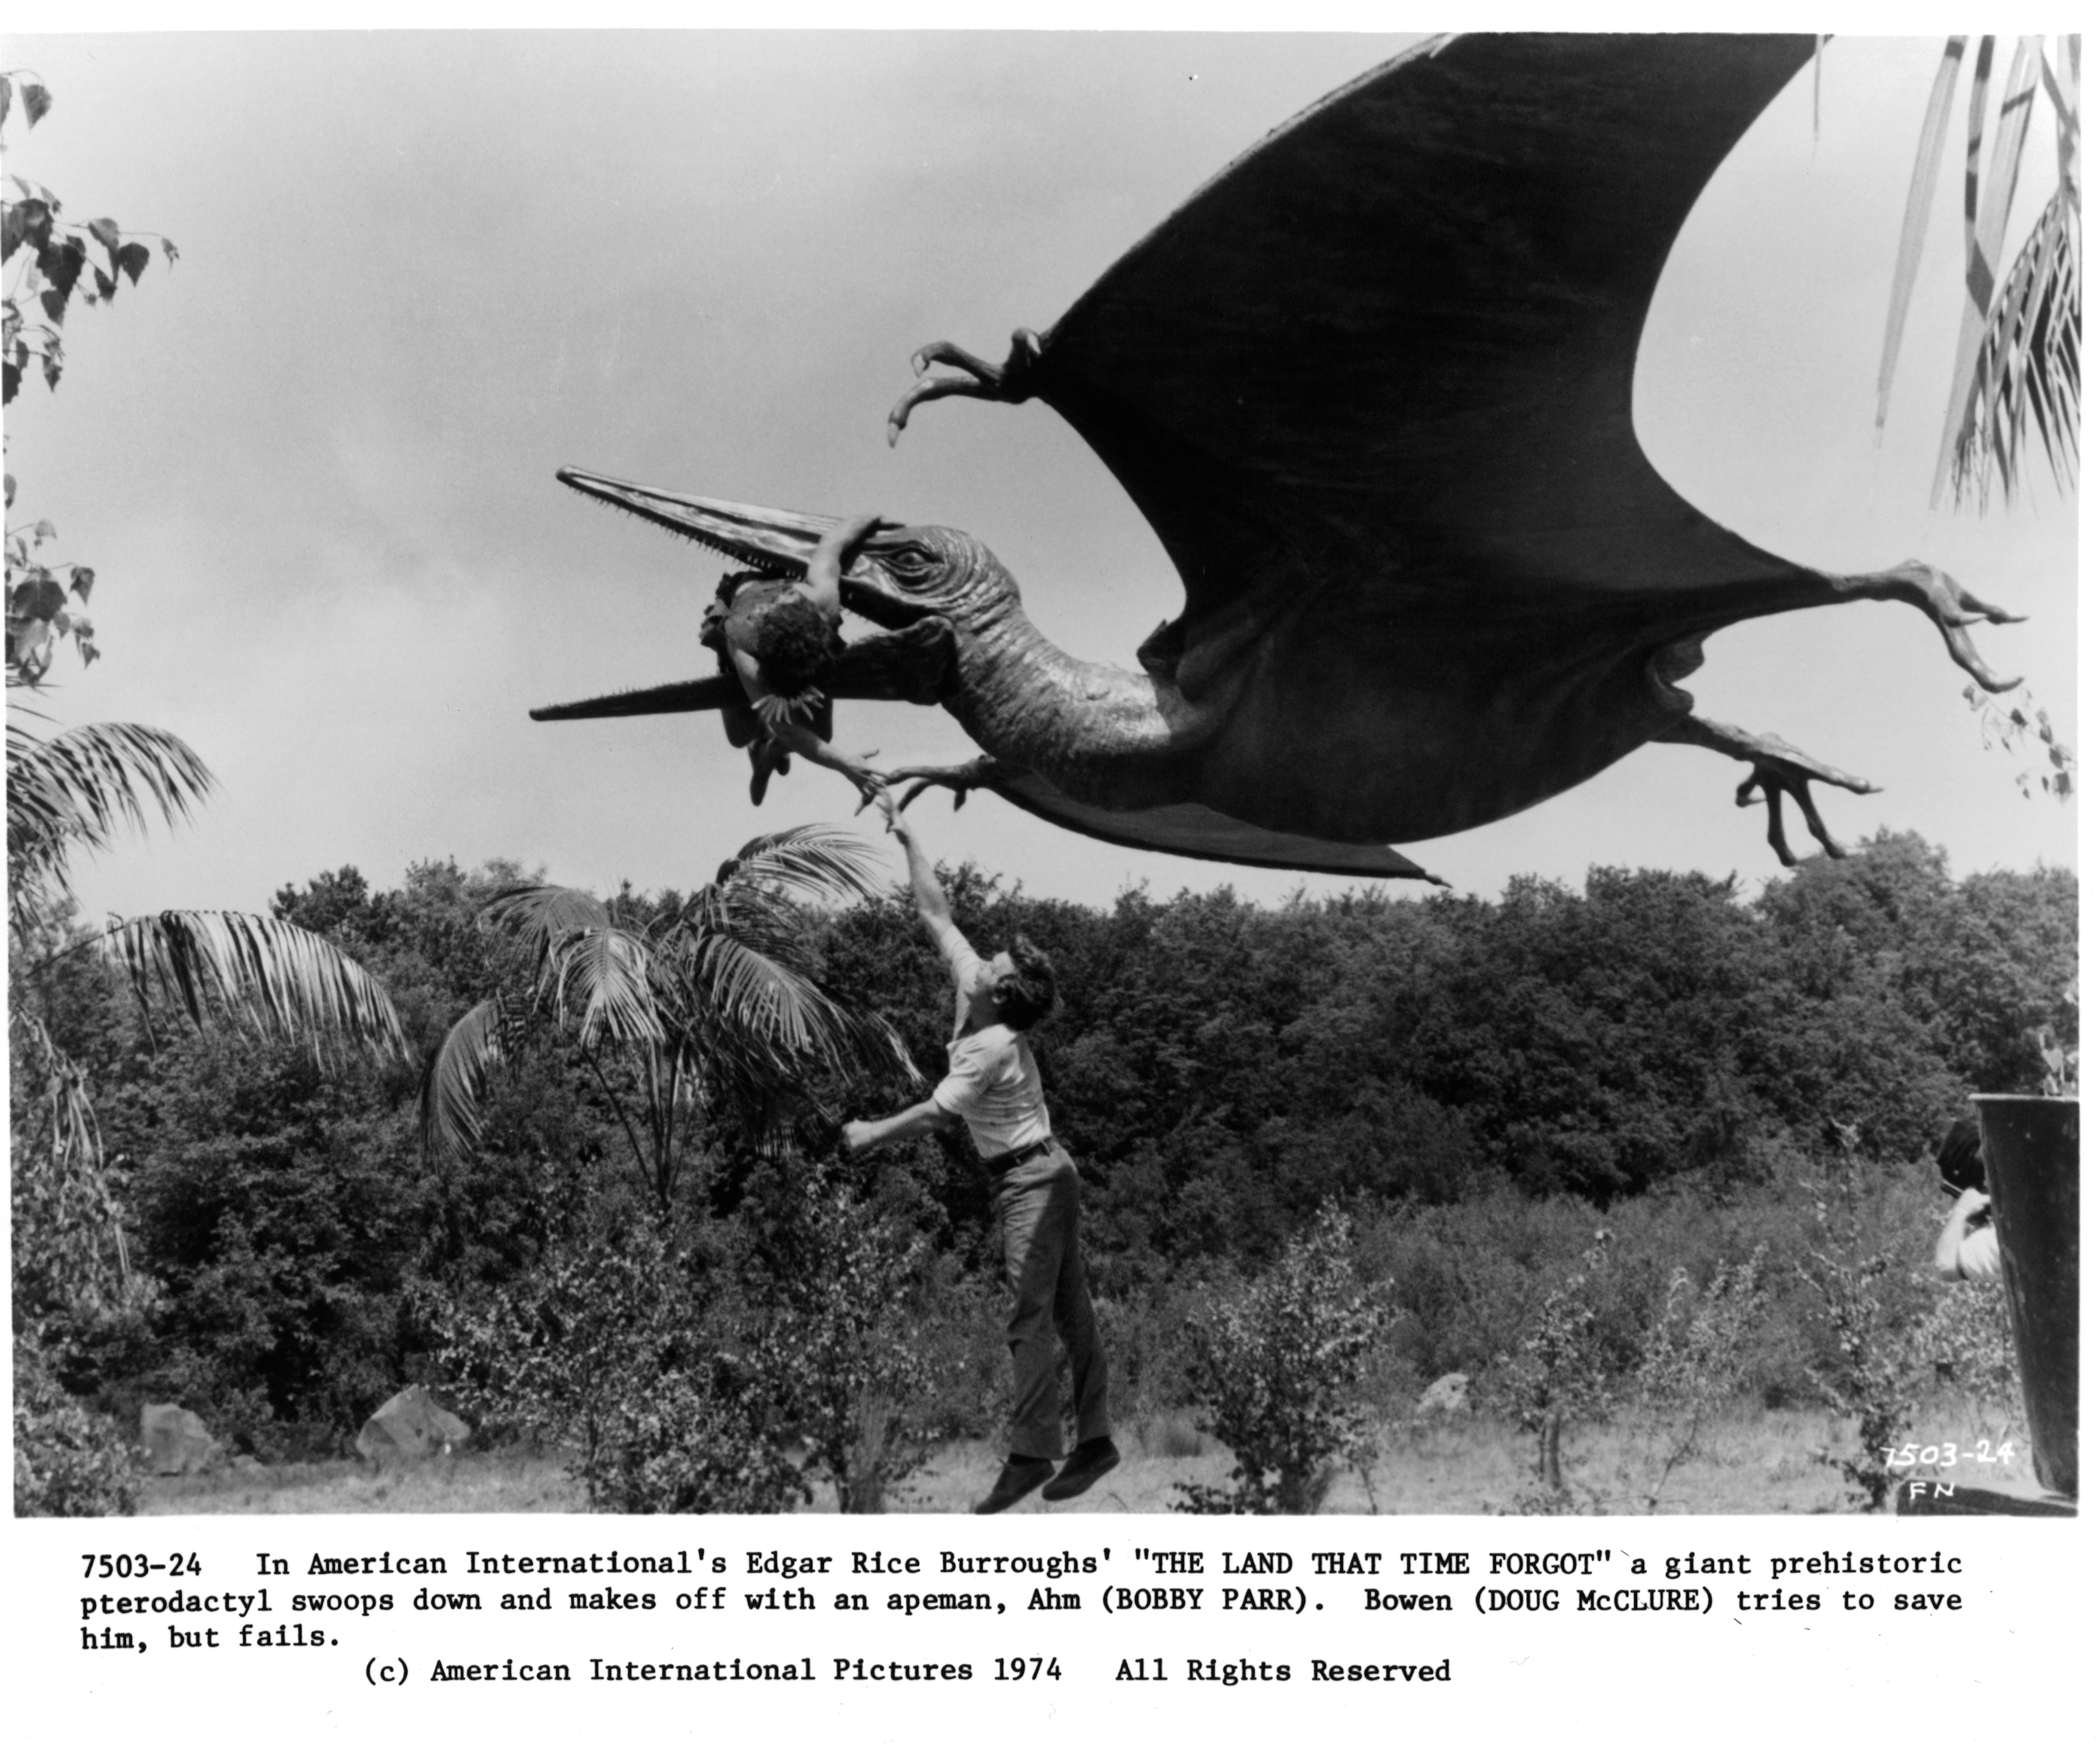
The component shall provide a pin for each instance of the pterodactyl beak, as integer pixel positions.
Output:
(777, 540)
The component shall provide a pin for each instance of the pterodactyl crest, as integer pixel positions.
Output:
(1373, 387)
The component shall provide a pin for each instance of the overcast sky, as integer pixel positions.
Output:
(314, 463)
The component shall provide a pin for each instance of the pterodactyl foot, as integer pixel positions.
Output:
(961, 778)
(1777, 770)
(1951, 607)
(1010, 382)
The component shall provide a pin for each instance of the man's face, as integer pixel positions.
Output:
(981, 990)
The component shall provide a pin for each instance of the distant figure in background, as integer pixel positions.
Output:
(1968, 1246)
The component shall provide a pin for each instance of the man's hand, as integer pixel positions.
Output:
(1961, 1220)
(872, 784)
(857, 1136)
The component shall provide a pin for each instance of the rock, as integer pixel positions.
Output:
(175, 1440)
(1445, 1397)
(411, 1426)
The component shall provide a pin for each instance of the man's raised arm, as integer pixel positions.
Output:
(931, 900)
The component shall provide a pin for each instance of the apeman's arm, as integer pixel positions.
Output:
(828, 561)
(798, 738)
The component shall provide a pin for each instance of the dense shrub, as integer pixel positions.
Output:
(838, 1350)
(1277, 1367)
(613, 1350)
(68, 1460)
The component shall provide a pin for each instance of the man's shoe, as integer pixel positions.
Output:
(1017, 1478)
(1091, 1460)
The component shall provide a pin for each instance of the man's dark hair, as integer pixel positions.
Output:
(1961, 1159)
(1023, 997)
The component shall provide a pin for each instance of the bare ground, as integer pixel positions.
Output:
(1758, 1463)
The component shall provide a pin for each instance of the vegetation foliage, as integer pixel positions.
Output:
(78, 1298)
(1277, 1372)
(1479, 1086)
(2017, 360)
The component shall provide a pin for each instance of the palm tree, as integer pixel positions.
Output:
(709, 1011)
(2016, 365)
(79, 789)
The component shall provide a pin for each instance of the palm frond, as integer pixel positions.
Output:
(2028, 371)
(66, 1110)
(539, 915)
(448, 1105)
(1910, 249)
(269, 976)
(755, 995)
(1986, 203)
(714, 1005)
(785, 1021)
(608, 973)
(817, 860)
(60, 1187)
(82, 786)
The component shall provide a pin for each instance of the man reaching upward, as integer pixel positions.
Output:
(992, 1086)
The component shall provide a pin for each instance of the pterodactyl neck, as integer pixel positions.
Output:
(1102, 734)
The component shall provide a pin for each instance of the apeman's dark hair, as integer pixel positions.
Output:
(1961, 1160)
(793, 639)
(1023, 997)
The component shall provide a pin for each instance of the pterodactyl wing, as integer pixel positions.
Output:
(1197, 832)
(1373, 385)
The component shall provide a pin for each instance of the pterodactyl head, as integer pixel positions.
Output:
(899, 574)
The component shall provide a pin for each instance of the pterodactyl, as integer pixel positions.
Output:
(1373, 387)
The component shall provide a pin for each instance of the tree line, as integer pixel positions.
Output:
(1651, 1044)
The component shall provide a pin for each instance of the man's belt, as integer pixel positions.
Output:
(999, 1165)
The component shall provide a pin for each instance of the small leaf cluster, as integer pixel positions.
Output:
(2006, 728)
(46, 603)
(59, 260)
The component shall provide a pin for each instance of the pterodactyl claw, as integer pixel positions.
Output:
(962, 778)
(1952, 608)
(1008, 381)
(1777, 770)
(1782, 771)
(874, 790)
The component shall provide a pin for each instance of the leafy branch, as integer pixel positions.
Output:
(2008, 728)
(55, 260)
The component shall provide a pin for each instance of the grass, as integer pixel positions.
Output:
(492, 1483)
(1751, 1463)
